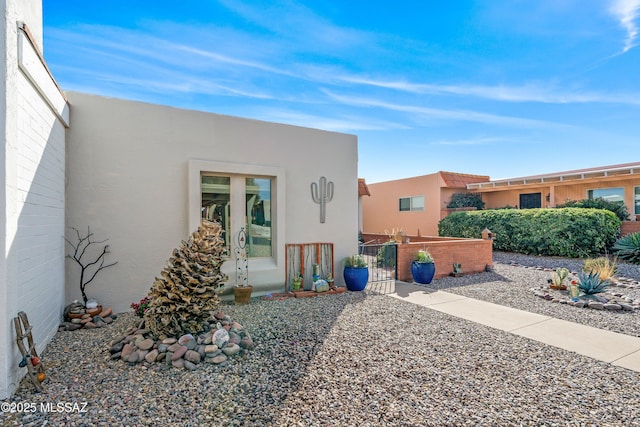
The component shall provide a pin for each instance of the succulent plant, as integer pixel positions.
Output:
(591, 283)
(559, 276)
(423, 256)
(356, 261)
(628, 248)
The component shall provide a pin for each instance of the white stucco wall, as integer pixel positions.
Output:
(35, 116)
(129, 179)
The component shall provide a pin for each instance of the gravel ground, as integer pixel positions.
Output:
(354, 359)
(510, 286)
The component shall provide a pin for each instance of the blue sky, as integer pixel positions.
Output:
(492, 87)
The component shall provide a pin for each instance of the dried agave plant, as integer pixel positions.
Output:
(186, 294)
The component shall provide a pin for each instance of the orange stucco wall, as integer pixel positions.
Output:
(381, 212)
(560, 193)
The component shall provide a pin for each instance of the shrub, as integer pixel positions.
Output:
(567, 232)
(617, 208)
(628, 248)
(466, 200)
(603, 266)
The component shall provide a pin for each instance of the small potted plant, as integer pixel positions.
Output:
(423, 268)
(356, 272)
(557, 281)
(296, 282)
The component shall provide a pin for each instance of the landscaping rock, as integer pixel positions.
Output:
(179, 352)
(151, 356)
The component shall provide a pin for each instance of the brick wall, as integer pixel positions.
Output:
(34, 184)
(473, 254)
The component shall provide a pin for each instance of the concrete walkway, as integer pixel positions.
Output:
(611, 347)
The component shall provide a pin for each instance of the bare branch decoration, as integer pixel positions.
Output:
(88, 268)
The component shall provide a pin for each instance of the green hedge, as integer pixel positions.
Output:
(567, 232)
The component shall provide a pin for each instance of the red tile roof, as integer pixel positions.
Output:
(460, 180)
(363, 190)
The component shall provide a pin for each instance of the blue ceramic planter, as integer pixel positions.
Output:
(356, 278)
(423, 272)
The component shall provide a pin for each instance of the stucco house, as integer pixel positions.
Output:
(142, 176)
(613, 183)
(418, 203)
(414, 204)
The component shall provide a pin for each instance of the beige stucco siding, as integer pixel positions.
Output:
(130, 176)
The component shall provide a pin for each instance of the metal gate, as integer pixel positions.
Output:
(382, 260)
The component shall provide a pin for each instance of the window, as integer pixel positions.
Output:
(636, 200)
(608, 194)
(218, 197)
(216, 203)
(530, 200)
(258, 198)
(415, 203)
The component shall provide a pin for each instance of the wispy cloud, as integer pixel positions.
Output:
(440, 114)
(475, 141)
(289, 20)
(348, 123)
(627, 12)
(530, 92)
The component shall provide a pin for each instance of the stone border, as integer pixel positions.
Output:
(604, 301)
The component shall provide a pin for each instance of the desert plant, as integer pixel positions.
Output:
(591, 283)
(628, 248)
(355, 261)
(423, 256)
(605, 267)
(296, 281)
(140, 308)
(559, 276)
(88, 267)
(457, 268)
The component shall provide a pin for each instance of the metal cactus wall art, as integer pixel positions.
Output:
(322, 193)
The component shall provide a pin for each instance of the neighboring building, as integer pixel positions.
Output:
(612, 183)
(142, 176)
(415, 204)
(363, 190)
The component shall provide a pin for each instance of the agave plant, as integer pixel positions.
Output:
(591, 283)
(628, 248)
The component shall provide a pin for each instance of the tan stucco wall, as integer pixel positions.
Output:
(381, 212)
(128, 177)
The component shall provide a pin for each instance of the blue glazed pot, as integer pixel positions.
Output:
(423, 272)
(356, 278)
